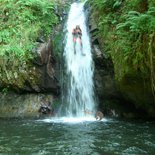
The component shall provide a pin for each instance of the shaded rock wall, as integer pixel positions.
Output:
(137, 89)
(105, 86)
(45, 63)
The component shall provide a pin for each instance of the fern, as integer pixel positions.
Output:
(117, 4)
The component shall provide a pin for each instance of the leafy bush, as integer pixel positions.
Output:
(21, 23)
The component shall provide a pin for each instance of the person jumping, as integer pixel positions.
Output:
(77, 34)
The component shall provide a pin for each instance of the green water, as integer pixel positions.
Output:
(32, 137)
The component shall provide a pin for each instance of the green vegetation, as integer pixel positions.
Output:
(22, 22)
(128, 30)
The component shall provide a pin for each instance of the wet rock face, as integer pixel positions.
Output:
(45, 63)
(104, 72)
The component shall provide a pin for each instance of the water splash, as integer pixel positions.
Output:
(79, 67)
(72, 120)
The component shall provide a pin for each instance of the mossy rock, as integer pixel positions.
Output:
(137, 89)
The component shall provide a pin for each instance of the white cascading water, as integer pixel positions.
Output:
(80, 93)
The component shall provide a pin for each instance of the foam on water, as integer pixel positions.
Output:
(71, 120)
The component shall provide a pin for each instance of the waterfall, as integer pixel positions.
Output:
(79, 98)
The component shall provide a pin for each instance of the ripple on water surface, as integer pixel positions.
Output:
(77, 137)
